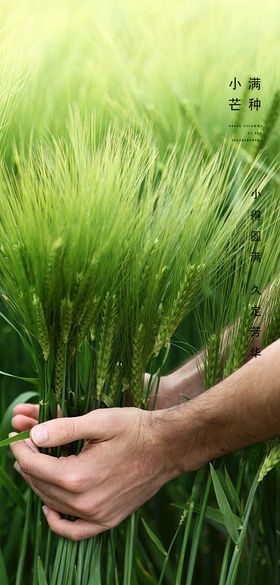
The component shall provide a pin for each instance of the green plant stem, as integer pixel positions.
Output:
(48, 552)
(24, 542)
(37, 540)
(158, 375)
(87, 557)
(200, 474)
(186, 514)
(57, 560)
(238, 549)
(254, 539)
(113, 549)
(229, 541)
(197, 532)
(80, 562)
(58, 569)
(129, 548)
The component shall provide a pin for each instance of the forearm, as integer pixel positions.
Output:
(187, 381)
(241, 410)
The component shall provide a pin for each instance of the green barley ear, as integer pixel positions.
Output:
(60, 360)
(65, 321)
(272, 319)
(183, 299)
(51, 270)
(271, 460)
(41, 326)
(77, 284)
(212, 370)
(84, 324)
(136, 386)
(240, 342)
(66, 312)
(105, 343)
(115, 383)
(270, 121)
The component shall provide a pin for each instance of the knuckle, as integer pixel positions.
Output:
(36, 484)
(85, 507)
(76, 535)
(25, 466)
(72, 482)
(80, 507)
(53, 526)
(45, 500)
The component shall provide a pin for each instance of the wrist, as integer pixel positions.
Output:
(241, 410)
(176, 431)
(191, 434)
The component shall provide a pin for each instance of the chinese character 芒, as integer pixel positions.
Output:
(254, 104)
(235, 104)
(234, 83)
(254, 83)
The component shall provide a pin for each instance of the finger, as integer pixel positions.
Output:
(37, 464)
(53, 492)
(30, 410)
(95, 425)
(75, 530)
(60, 506)
(30, 444)
(21, 422)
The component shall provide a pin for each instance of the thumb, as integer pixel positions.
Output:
(61, 431)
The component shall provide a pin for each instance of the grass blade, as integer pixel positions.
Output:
(224, 506)
(154, 538)
(41, 573)
(3, 573)
(18, 437)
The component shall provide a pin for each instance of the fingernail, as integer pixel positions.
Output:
(17, 467)
(45, 510)
(12, 435)
(39, 434)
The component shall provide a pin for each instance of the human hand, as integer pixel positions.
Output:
(123, 464)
